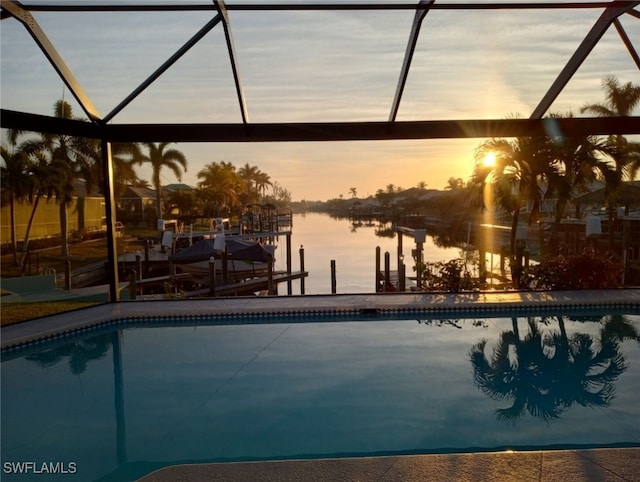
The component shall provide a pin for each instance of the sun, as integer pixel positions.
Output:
(489, 160)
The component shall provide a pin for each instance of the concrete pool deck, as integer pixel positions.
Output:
(609, 465)
(483, 303)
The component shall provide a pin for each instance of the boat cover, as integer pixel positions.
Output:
(236, 249)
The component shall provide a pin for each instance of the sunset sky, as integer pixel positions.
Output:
(319, 66)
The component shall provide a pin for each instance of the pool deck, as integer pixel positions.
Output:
(610, 465)
(566, 465)
(484, 303)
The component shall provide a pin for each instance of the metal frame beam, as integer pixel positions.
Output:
(165, 66)
(421, 13)
(321, 131)
(595, 34)
(41, 39)
(627, 42)
(222, 9)
(270, 6)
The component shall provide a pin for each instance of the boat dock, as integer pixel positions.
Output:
(182, 285)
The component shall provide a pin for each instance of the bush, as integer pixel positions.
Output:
(450, 276)
(584, 271)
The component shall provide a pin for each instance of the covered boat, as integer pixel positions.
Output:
(245, 258)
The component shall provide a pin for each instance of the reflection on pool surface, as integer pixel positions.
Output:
(121, 403)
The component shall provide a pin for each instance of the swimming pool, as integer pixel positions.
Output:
(116, 402)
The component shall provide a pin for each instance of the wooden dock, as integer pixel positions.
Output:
(264, 284)
(253, 285)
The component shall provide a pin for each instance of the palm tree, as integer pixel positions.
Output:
(160, 157)
(263, 181)
(522, 166)
(454, 183)
(185, 201)
(256, 182)
(123, 158)
(71, 157)
(42, 181)
(580, 161)
(353, 191)
(249, 175)
(14, 180)
(221, 186)
(620, 101)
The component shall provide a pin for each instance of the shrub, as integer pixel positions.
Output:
(584, 271)
(451, 276)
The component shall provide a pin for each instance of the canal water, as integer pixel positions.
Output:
(353, 248)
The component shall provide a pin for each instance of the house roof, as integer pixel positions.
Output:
(627, 194)
(177, 187)
(138, 193)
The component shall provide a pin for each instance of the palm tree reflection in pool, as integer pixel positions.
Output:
(78, 352)
(546, 375)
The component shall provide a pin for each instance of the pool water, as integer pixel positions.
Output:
(125, 400)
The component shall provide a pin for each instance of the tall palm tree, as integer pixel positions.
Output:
(249, 174)
(580, 160)
(522, 167)
(263, 181)
(44, 180)
(71, 156)
(620, 101)
(256, 182)
(14, 180)
(160, 157)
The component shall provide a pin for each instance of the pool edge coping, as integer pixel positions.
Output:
(51, 327)
(547, 465)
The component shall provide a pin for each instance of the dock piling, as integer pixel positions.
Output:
(139, 266)
(377, 277)
(387, 270)
(302, 269)
(333, 277)
(289, 283)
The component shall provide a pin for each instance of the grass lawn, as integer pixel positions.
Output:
(16, 312)
(82, 254)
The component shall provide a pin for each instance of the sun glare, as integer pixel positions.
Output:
(489, 160)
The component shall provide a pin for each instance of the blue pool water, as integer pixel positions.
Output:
(117, 403)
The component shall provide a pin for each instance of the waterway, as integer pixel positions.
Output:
(353, 248)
